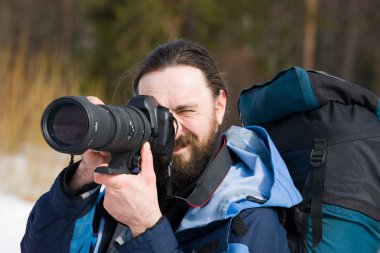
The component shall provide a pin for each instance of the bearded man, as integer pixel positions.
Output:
(223, 186)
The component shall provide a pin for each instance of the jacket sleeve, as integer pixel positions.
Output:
(59, 222)
(257, 230)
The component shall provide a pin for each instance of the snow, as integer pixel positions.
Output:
(13, 217)
(28, 173)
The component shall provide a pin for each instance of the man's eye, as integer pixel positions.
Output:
(186, 111)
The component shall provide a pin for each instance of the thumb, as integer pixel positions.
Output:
(147, 169)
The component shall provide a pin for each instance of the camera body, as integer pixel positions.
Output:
(72, 125)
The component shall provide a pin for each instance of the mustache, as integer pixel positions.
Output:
(185, 140)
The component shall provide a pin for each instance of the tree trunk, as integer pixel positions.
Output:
(351, 41)
(310, 34)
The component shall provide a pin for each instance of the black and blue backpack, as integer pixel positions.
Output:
(328, 133)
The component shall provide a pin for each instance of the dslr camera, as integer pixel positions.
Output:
(72, 124)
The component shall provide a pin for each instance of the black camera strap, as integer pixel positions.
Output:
(169, 184)
(212, 177)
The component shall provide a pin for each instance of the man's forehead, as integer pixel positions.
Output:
(174, 76)
(180, 84)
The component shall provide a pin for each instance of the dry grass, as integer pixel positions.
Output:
(28, 84)
(27, 87)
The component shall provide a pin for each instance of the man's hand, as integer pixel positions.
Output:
(84, 174)
(132, 199)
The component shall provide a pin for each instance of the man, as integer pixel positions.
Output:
(224, 185)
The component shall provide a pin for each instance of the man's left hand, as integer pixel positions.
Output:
(132, 199)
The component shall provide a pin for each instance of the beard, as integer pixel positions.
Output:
(186, 172)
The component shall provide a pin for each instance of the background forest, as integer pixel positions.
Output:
(77, 47)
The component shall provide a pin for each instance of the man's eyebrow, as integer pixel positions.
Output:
(185, 107)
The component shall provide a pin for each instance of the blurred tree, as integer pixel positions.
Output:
(124, 31)
(310, 34)
(347, 44)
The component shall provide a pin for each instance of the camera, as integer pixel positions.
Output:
(72, 124)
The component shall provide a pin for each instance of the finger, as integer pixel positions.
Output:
(94, 158)
(100, 178)
(104, 156)
(95, 100)
(108, 180)
(147, 169)
(96, 152)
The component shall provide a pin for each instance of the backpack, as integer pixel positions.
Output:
(327, 130)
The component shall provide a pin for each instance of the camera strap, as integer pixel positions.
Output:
(169, 184)
(212, 177)
(71, 160)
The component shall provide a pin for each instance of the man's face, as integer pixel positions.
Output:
(184, 90)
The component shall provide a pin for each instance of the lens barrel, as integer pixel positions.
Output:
(72, 124)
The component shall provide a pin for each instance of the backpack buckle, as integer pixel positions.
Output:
(318, 154)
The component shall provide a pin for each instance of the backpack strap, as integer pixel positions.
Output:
(312, 193)
(317, 161)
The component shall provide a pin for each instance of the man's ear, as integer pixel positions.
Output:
(220, 106)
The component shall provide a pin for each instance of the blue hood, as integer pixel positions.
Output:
(261, 179)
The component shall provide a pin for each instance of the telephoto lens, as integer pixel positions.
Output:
(72, 124)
